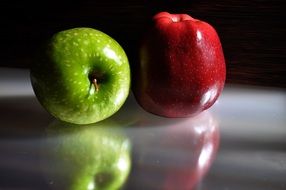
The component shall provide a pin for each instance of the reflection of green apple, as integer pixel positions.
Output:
(86, 158)
(83, 77)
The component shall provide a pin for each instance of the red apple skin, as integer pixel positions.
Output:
(182, 67)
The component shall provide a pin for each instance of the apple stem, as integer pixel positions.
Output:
(94, 81)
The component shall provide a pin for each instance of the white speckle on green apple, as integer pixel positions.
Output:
(88, 69)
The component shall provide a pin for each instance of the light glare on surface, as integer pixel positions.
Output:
(122, 164)
(91, 186)
(205, 155)
(111, 54)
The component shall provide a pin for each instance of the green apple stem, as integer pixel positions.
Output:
(94, 81)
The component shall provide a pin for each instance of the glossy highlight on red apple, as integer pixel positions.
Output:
(181, 69)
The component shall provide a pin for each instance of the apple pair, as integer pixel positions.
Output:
(84, 76)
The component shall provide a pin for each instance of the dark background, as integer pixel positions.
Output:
(252, 32)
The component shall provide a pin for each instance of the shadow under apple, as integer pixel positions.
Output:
(133, 116)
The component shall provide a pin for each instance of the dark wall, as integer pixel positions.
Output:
(252, 32)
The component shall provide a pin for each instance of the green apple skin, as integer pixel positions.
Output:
(86, 158)
(63, 78)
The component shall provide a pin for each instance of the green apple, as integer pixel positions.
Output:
(83, 76)
(86, 158)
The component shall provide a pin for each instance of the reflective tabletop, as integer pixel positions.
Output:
(240, 143)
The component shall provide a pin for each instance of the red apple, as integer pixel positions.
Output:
(182, 66)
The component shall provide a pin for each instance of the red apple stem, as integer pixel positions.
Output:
(94, 81)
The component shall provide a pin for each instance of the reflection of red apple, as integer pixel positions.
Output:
(197, 144)
(176, 156)
(181, 69)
